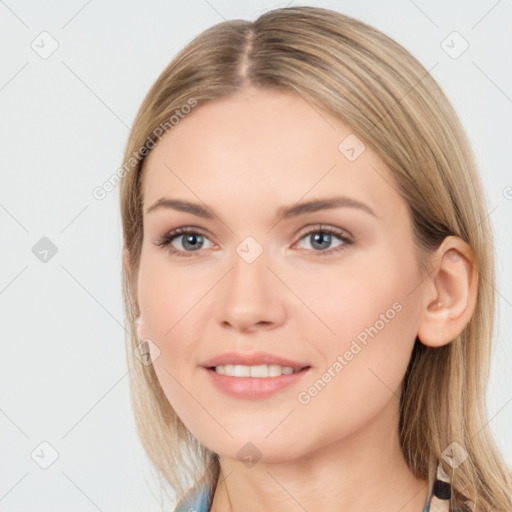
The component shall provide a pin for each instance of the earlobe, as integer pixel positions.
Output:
(449, 293)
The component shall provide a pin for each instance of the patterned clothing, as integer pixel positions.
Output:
(438, 500)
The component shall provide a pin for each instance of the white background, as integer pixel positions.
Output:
(63, 127)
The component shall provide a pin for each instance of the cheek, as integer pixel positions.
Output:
(374, 317)
(168, 294)
(362, 373)
(363, 298)
(367, 301)
(171, 302)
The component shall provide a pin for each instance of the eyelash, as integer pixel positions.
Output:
(175, 233)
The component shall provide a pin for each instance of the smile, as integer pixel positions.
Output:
(260, 371)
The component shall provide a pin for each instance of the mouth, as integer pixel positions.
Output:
(254, 376)
(261, 371)
(255, 382)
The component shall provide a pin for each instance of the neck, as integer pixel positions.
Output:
(364, 471)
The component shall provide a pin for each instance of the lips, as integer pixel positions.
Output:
(253, 387)
(252, 359)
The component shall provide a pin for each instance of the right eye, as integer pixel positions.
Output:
(191, 239)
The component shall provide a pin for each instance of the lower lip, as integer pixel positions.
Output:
(253, 388)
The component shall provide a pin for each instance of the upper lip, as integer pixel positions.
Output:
(252, 359)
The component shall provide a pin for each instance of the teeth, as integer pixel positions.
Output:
(260, 371)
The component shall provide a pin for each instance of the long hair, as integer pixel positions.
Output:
(390, 101)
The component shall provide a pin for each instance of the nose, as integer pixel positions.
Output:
(251, 297)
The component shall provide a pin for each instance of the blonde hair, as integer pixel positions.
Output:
(390, 101)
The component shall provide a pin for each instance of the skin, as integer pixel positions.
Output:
(243, 157)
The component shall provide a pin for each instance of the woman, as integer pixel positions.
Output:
(308, 275)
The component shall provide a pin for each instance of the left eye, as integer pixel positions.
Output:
(193, 240)
(322, 236)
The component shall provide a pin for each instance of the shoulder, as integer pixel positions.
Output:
(196, 500)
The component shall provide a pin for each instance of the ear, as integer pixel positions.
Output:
(450, 293)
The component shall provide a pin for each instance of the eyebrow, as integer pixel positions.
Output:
(285, 212)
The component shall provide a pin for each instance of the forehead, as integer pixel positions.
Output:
(264, 148)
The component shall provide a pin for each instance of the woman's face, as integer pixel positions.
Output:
(332, 291)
